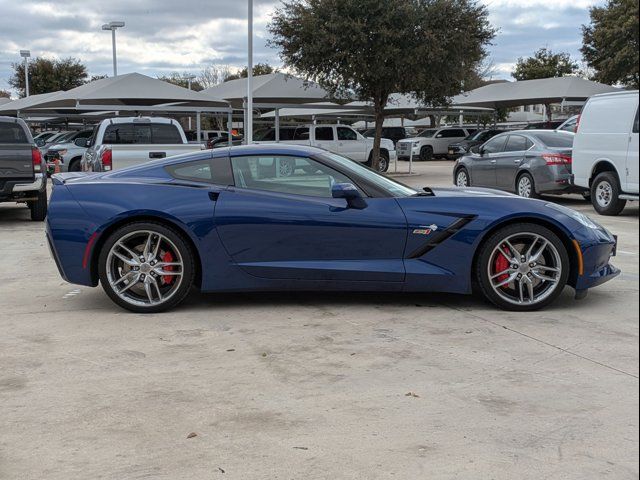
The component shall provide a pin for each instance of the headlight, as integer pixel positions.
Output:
(415, 143)
(577, 216)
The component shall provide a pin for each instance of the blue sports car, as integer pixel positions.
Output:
(229, 220)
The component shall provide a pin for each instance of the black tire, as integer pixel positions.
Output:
(462, 173)
(486, 250)
(178, 240)
(384, 161)
(39, 207)
(526, 186)
(74, 165)
(426, 153)
(605, 194)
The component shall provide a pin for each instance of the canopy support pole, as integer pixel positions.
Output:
(277, 118)
(198, 125)
(230, 126)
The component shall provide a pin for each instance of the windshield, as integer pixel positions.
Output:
(481, 135)
(428, 133)
(396, 189)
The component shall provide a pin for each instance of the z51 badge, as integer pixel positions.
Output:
(424, 230)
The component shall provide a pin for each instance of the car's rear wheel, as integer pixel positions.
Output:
(526, 187)
(605, 194)
(383, 164)
(426, 153)
(146, 267)
(75, 166)
(462, 178)
(522, 267)
(38, 208)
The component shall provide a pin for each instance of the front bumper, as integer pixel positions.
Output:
(597, 257)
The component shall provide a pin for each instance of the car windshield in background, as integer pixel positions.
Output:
(369, 133)
(394, 188)
(427, 133)
(555, 139)
(480, 136)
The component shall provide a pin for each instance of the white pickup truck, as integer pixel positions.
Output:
(340, 139)
(122, 142)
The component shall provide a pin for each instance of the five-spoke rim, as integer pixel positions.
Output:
(144, 268)
(604, 192)
(524, 268)
(461, 179)
(524, 187)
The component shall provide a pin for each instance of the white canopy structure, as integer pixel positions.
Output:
(531, 92)
(274, 89)
(14, 107)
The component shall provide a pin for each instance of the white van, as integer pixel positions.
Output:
(605, 150)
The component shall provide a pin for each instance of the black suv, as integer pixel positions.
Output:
(392, 133)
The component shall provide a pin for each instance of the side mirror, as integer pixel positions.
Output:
(81, 142)
(350, 193)
(39, 142)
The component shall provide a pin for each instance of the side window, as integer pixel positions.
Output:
(119, 134)
(324, 133)
(495, 145)
(164, 133)
(516, 143)
(216, 170)
(346, 134)
(301, 133)
(452, 133)
(273, 173)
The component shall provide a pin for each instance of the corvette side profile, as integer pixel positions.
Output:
(226, 220)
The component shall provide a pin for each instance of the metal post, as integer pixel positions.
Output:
(411, 161)
(230, 126)
(198, 131)
(461, 119)
(189, 85)
(248, 129)
(277, 124)
(26, 75)
(113, 43)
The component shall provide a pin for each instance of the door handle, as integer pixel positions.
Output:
(493, 161)
(517, 161)
(213, 196)
(157, 154)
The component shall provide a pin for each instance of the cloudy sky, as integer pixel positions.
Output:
(162, 36)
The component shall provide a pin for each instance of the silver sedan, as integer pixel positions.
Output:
(526, 162)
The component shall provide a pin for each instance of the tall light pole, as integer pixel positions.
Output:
(189, 79)
(248, 128)
(26, 54)
(113, 26)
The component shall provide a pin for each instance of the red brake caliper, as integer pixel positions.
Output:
(501, 264)
(168, 258)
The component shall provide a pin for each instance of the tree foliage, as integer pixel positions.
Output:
(372, 48)
(180, 79)
(544, 64)
(610, 42)
(49, 75)
(258, 69)
(213, 75)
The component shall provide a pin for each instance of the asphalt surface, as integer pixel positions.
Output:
(314, 386)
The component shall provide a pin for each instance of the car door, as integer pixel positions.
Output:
(632, 159)
(483, 165)
(349, 145)
(324, 137)
(291, 228)
(509, 161)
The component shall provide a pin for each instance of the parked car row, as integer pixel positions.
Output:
(599, 160)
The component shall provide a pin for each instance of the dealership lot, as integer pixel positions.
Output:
(315, 385)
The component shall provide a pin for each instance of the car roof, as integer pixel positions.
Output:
(273, 149)
(615, 94)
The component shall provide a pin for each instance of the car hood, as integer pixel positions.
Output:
(468, 192)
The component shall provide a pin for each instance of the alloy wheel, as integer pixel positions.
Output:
(144, 268)
(462, 180)
(525, 187)
(524, 269)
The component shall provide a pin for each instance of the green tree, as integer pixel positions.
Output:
(544, 64)
(49, 75)
(610, 42)
(258, 69)
(180, 79)
(372, 48)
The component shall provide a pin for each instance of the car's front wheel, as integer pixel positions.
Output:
(462, 178)
(146, 267)
(522, 267)
(426, 153)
